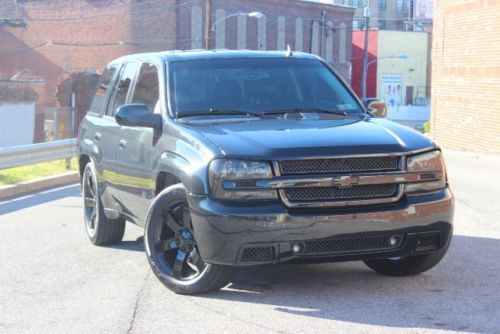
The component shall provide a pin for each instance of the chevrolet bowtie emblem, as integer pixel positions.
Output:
(345, 181)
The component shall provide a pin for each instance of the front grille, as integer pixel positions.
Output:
(337, 193)
(351, 245)
(336, 165)
(265, 253)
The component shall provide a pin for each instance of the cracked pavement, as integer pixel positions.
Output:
(53, 280)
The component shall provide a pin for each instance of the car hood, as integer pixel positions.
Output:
(275, 139)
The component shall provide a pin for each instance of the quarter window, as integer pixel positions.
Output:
(105, 82)
(147, 86)
(122, 87)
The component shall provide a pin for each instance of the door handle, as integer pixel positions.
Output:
(97, 136)
(123, 143)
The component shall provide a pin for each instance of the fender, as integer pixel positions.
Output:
(185, 154)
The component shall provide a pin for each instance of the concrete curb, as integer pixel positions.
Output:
(24, 188)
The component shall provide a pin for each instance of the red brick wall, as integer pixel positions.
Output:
(80, 35)
(74, 36)
(466, 75)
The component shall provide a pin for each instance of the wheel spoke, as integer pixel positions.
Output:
(90, 202)
(92, 218)
(171, 222)
(179, 263)
(91, 189)
(165, 245)
(186, 218)
(195, 261)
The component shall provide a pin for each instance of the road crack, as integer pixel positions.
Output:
(137, 302)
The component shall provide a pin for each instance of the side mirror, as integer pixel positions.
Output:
(377, 107)
(138, 114)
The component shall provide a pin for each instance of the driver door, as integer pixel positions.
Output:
(135, 155)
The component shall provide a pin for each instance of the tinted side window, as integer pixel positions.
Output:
(105, 82)
(122, 87)
(147, 86)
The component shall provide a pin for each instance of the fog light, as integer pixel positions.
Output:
(296, 247)
(393, 241)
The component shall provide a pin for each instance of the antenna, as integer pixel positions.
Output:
(289, 50)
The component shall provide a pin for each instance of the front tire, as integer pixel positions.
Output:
(171, 247)
(407, 266)
(100, 229)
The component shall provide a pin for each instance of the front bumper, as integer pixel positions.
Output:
(225, 230)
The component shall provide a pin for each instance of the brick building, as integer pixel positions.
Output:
(384, 14)
(466, 75)
(60, 37)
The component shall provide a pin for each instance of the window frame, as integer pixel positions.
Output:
(133, 85)
(169, 87)
(109, 91)
(115, 85)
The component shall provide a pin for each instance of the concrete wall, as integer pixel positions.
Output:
(466, 75)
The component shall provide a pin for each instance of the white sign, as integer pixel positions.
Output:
(17, 124)
(392, 89)
(423, 9)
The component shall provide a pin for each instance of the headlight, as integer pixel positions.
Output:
(428, 165)
(223, 175)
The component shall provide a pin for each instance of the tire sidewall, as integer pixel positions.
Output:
(89, 169)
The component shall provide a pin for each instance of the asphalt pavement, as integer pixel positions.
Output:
(53, 280)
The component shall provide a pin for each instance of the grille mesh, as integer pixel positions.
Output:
(319, 166)
(336, 193)
(428, 241)
(258, 254)
(350, 245)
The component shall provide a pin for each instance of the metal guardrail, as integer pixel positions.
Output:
(30, 154)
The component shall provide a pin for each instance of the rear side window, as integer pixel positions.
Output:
(105, 82)
(122, 87)
(147, 86)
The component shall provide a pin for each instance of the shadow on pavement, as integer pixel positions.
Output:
(136, 245)
(39, 198)
(461, 293)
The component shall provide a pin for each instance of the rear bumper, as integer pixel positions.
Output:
(224, 231)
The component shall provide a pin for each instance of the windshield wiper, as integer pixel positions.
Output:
(305, 110)
(215, 111)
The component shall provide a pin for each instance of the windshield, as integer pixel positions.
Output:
(257, 85)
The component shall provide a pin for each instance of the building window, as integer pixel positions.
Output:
(354, 3)
(381, 25)
(401, 4)
(382, 4)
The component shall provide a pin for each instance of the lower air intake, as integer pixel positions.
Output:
(265, 253)
(352, 245)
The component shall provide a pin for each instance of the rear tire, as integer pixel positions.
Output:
(171, 247)
(407, 266)
(100, 229)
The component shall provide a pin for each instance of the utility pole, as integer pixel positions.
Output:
(322, 34)
(207, 23)
(366, 16)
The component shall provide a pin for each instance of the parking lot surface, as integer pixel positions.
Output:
(53, 280)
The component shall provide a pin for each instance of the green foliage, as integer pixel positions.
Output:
(31, 172)
(427, 127)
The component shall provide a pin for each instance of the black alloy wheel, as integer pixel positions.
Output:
(176, 244)
(90, 203)
(100, 229)
(171, 247)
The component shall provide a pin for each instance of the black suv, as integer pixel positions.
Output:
(237, 158)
